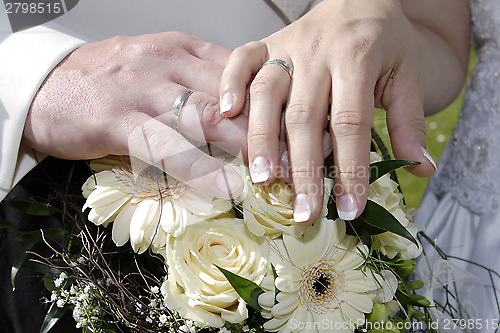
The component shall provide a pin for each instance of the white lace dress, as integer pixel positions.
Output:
(461, 208)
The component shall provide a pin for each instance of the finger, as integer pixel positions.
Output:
(405, 121)
(305, 118)
(268, 93)
(351, 122)
(197, 74)
(327, 144)
(243, 63)
(199, 48)
(199, 119)
(157, 144)
(211, 52)
(284, 172)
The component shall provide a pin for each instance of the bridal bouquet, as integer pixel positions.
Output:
(198, 264)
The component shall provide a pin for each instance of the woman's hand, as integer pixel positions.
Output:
(116, 97)
(355, 54)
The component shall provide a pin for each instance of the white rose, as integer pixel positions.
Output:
(195, 287)
(384, 191)
(268, 209)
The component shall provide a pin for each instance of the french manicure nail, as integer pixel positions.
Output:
(301, 208)
(429, 157)
(228, 183)
(226, 103)
(347, 207)
(261, 170)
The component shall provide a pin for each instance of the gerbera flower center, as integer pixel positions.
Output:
(320, 287)
(150, 183)
(321, 284)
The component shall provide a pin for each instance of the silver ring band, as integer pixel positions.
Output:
(283, 64)
(177, 107)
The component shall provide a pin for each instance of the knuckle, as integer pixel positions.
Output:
(141, 48)
(198, 166)
(302, 173)
(178, 35)
(240, 52)
(249, 47)
(155, 142)
(316, 44)
(250, 50)
(258, 134)
(209, 112)
(308, 180)
(349, 122)
(298, 114)
(117, 43)
(262, 85)
(416, 126)
(348, 175)
(360, 44)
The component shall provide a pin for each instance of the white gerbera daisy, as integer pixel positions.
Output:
(321, 281)
(144, 203)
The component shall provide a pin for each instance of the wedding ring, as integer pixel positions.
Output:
(177, 107)
(283, 64)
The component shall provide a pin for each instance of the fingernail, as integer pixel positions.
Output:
(347, 207)
(261, 170)
(228, 183)
(226, 103)
(301, 208)
(429, 157)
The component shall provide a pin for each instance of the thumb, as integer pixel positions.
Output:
(157, 144)
(201, 120)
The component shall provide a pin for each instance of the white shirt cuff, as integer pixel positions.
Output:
(27, 58)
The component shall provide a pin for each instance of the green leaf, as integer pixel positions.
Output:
(248, 290)
(41, 268)
(33, 208)
(49, 283)
(412, 299)
(405, 268)
(31, 238)
(332, 210)
(20, 260)
(378, 169)
(238, 209)
(377, 140)
(361, 229)
(276, 290)
(53, 315)
(4, 224)
(418, 315)
(380, 218)
(411, 285)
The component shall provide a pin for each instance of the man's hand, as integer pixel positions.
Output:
(115, 97)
